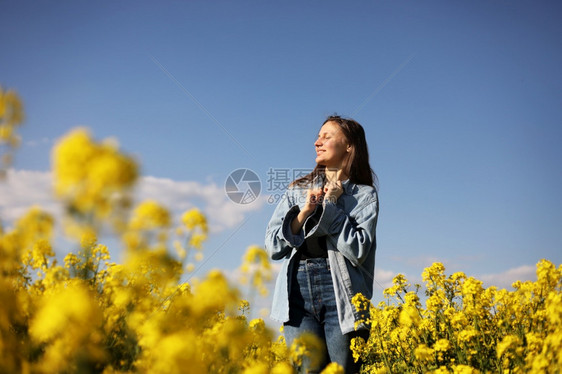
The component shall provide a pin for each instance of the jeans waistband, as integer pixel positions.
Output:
(315, 262)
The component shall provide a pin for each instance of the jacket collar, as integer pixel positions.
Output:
(348, 186)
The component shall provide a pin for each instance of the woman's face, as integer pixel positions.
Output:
(331, 146)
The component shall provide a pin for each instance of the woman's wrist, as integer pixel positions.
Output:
(298, 221)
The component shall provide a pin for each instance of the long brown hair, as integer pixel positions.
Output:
(356, 165)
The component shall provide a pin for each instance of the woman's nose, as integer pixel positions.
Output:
(318, 143)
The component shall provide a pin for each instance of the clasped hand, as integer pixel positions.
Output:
(331, 192)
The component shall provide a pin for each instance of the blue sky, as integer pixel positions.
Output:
(461, 102)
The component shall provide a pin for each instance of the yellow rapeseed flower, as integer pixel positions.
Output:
(5, 133)
(11, 117)
(68, 310)
(257, 268)
(440, 370)
(92, 177)
(88, 239)
(259, 368)
(464, 369)
(196, 240)
(554, 309)
(213, 294)
(441, 345)
(150, 215)
(333, 368)
(11, 108)
(436, 302)
(193, 219)
(423, 353)
(35, 224)
(308, 350)
(467, 335)
(547, 274)
(40, 254)
(435, 274)
(472, 287)
(410, 316)
(282, 368)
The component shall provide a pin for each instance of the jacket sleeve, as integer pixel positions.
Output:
(354, 235)
(279, 239)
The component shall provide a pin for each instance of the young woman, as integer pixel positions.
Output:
(324, 231)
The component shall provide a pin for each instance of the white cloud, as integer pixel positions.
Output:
(383, 278)
(179, 196)
(507, 278)
(503, 279)
(23, 189)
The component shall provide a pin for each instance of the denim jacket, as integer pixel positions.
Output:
(350, 229)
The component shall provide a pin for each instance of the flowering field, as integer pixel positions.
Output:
(465, 328)
(91, 315)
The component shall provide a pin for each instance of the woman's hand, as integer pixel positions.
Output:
(314, 198)
(333, 190)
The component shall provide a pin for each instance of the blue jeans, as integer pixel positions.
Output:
(312, 309)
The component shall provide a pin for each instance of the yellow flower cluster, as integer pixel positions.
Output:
(11, 117)
(93, 178)
(91, 315)
(464, 327)
(192, 233)
(150, 215)
(148, 227)
(256, 269)
(308, 351)
(196, 225)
